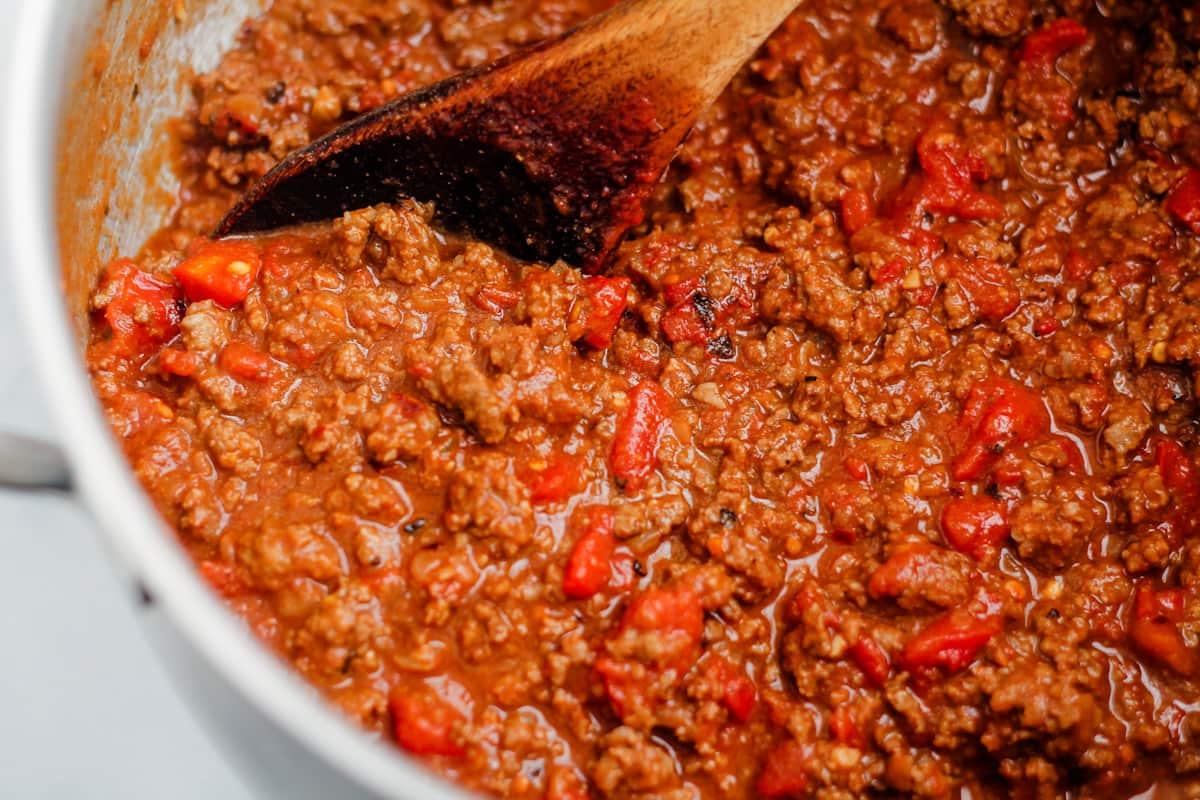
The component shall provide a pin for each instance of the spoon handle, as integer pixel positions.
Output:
(697, 44)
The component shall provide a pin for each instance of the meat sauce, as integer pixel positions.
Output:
(867, 469)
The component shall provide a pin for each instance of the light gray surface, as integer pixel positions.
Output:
(86, 711)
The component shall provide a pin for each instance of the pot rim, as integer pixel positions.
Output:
(29, 149)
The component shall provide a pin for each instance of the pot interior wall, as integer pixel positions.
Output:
(115, 184)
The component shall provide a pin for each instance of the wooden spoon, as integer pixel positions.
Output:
(549, 153)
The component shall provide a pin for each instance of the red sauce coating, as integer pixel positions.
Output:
(868, 469)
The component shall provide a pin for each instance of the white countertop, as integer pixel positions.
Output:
(86, 711)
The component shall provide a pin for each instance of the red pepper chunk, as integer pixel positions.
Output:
(223, 272)
(1154, 629)
(1046, 45)
(856, 468)
(1181, 477)
(950, 172)
(245, 361)
(890, 272)
(589, 566)
(737, 692)
(676, 615)
(869, 657)
(1178, 472)
(678, 289)
(425, 724)
(142, 309)
(910, 565)
(976, 526)
(634, 450)
(1036, 75)
(858, 210)
(181, 363)
(785, 771)
(999, 413)
(1183, 201)
(683, 323)
(555, 482)
(596, 314)
(953, 640)
(1045, 326)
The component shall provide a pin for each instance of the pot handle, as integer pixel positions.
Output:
(27, 463)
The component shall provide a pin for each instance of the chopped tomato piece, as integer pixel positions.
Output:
(1164, 604)
(246, 361)
(589, 566)
(1046, 326)
(684, 323)
(143, 310)
(635, 447)
(678, 289)
(891, 272)
(138, 411)
(676, 619)
(1178, 472)
(1046, 45)
(1154, 629)
(975, 525)
(953, 640)
(785, 771)
(1183, 202)
(625, 684)
(1181, 477)
(425, 724)
(676, 615)
(595, 315)
(868, 656)
(182, 363)
(223, 272)
(1162, 642)
(999, 413)
(909, 565)
(737, 690)
(990, 288)
(1037, 76)
(858, 209)
(950, 172)
(555, 482)
(856, 468)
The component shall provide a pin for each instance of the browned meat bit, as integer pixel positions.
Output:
(398, 241)
(402, 428)
(1000, 18)
(486, 499)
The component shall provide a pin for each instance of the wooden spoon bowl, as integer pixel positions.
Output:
(548, 154)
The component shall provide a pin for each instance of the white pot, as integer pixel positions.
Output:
(83, 179)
